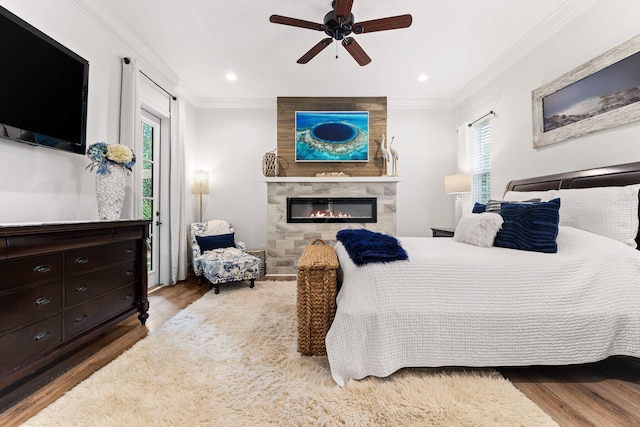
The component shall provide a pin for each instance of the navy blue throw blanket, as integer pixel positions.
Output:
(364, 246)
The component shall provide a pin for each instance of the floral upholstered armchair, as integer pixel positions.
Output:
(218, 257)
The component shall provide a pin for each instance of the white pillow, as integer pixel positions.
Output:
(478, 229)
(217, 226)
(519, 196)
(608, 211)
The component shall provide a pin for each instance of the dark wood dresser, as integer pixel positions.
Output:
(62, 284)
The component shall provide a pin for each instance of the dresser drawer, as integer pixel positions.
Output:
(79, 319)
(90, 285)
(24, 343)
(30, 305)
(88, 259)
(26, 271)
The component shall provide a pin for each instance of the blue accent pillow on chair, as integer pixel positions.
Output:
(218, 241)
(530, 226)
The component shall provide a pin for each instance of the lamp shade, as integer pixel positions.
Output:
(457, 184)
(200, 182)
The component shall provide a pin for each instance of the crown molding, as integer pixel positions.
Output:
(147, 59)
(271, 103)
(242, 103)
(419, 104)
(563, 15)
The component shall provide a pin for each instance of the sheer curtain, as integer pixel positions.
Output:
(131, 134)
(465, 162)
(179, 224)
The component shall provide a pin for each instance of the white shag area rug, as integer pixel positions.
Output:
(231, 360)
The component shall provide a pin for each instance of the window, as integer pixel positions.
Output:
(481, 186)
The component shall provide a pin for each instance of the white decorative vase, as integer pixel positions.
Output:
(110, 189)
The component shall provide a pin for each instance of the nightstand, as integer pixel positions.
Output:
(442, 231)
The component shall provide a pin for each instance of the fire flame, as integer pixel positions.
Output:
(322, 214)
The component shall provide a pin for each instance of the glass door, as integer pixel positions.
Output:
(151, 190)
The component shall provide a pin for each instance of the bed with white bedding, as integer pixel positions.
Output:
(456, 304)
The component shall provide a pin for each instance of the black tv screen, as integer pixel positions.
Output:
(43, 88)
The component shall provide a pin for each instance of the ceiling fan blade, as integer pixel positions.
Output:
(356, 51)
(342, 9)
(277, 19)
(315, 50)
(382, 24)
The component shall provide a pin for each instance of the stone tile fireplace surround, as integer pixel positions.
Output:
(286, 241)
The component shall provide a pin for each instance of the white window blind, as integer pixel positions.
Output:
(481, 187)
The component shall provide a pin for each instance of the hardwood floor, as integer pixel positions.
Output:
(599, 394)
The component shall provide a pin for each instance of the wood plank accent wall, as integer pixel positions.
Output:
(287, 106)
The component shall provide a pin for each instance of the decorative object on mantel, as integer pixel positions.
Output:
(270, 163)
(386, 156)
(394, 158)
(332, 174)
(112, 164)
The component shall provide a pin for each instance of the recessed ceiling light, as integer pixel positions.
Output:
(231, 77)
(423, 78)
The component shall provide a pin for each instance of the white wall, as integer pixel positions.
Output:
(231, 143)
(425, 140)
(41, 184)
(606, 25)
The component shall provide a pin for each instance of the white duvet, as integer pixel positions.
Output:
(453, 304)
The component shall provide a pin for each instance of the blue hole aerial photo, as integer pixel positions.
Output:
(332, 136)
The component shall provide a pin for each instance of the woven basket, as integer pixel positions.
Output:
(317, 270)
(260, 254)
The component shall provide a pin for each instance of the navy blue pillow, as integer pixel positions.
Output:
(208, 243)
(530, 226)
(479, 208)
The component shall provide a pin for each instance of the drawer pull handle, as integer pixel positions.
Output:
(129, 273)
(45, 268)
(81, 288)
(129, 250)
(82, 260)
(41, 336)
(129, 296)
(81, 318)
(43, 301)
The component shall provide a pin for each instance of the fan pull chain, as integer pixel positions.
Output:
(337, 50)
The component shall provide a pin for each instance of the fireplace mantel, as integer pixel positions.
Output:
(345, 179)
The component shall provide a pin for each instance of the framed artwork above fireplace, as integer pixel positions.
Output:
(332, 136)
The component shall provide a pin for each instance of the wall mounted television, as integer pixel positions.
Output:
(332, 136)
(43, 88)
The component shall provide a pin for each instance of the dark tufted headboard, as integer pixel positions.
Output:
(610, 176)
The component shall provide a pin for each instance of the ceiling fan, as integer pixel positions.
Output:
(338, 24)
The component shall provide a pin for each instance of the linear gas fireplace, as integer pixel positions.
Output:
(331, 209)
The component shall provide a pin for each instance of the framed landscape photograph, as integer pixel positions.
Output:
(332, 136)
(601, 94)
